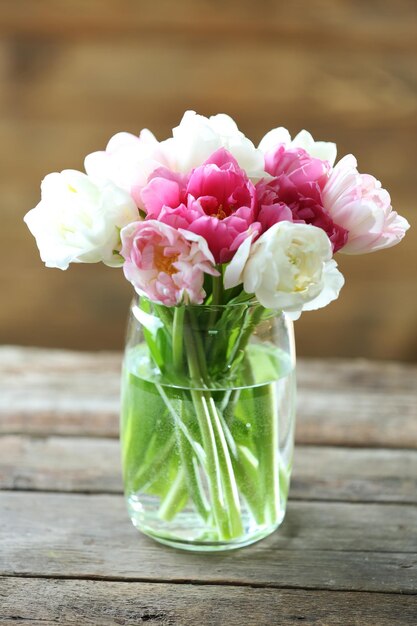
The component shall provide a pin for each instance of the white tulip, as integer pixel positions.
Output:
(197, 137)
(290, 267)
(325, 150)
(128, 160)
(78, 221)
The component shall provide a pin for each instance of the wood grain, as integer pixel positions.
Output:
(73, 464)
(357, 403)
(366, 475)
(65, 392)
(362, 547)
(70, 602)
(92, 465)
(345, 554)
(352, 403)
(343, 21)
(44, 85)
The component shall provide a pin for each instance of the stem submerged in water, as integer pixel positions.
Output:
(209, 452)
(178, 338)
(176, 498)
(269, 459)
(220, 475)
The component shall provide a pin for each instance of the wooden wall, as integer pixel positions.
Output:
(74, 73)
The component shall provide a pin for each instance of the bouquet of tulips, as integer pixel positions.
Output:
(206, 203)
(206, 218)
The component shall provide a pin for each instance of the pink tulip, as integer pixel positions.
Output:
(358, 203)
(164, 189)
(166, 264)
(217, 202)
(295, 193)
(296, 165)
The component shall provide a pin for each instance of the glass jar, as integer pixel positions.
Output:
(207, 422)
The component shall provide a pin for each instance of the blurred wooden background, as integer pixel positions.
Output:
(74, 73)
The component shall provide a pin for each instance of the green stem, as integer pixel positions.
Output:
(247, 330)
(228, 435)
(212, 463)
(268, 455)
(179, 423)
(176, 498)
(222, 483)
(217, 292)
(148, 471)
(195, 344)
(177, 337)
(231, 397)
(248, 479)
(230, 490)
(164, 314)
(193, 480)
(216, 299)
(190, 454)
(192, 475)
(229, 403)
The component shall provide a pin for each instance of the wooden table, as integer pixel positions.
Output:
(346, 553)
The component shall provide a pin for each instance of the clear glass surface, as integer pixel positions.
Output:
(207, 423)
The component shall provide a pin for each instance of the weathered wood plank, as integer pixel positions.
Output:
(364, 404)
(358, 403)
(343, 21)
(48, 602)
(325, 546)
(92, 465)
(68, 393)
(43, 80)
(73, 464)
(366, 475)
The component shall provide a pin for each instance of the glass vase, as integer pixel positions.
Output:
(207, 422)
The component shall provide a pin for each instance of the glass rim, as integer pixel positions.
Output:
(200, 307)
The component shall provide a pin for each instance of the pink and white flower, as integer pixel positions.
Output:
(358, 203)
(166, 264)
(297, 165)
(324, 150)
(128, 161)
(295, 193)
(216, 201)
(272, 215)
(197, 137)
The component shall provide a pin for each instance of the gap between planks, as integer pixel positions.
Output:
(57, 392)
(92, 602)
(290, 497)
(92, 465)
(331, 546)
(197, 582)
